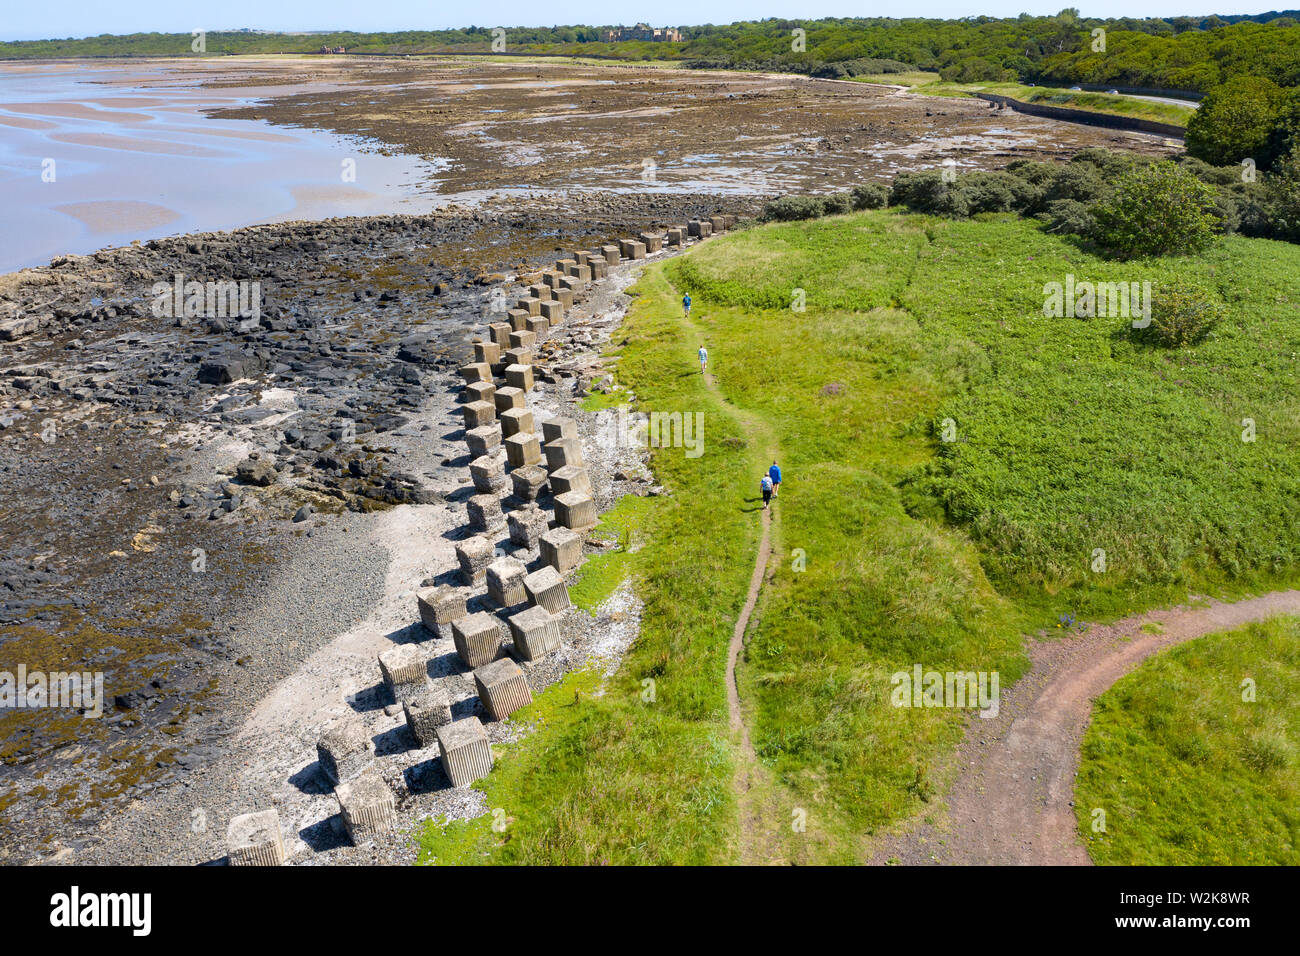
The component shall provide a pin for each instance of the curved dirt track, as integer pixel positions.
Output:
(1012, 800)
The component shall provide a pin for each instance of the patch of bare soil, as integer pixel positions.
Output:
(1013, 798)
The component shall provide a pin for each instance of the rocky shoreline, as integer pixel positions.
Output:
(162, 476)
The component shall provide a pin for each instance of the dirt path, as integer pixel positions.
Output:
(1013, 799)
(756, 845)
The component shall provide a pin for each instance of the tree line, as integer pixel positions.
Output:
(1182, 53)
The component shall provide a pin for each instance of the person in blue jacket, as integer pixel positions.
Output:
(686, 305)
(775, 474)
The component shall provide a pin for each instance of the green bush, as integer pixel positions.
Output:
(1244, 118)
(791, 208)
(1157, 210)
(1282, 197)
(1181, 317)
(1068, 217)
(926, 191)
(870, 196)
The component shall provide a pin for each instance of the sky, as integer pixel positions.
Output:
(78, 18)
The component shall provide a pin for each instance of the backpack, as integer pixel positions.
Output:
(766, 483)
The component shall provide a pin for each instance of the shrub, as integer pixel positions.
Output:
(1068, 216)
(870, 196)
(790, 208)
(837, 203)
(1282, 197)
(1081, 182)
(927, 192)
(1180, 317)
(1237, 120)
(1157, 210)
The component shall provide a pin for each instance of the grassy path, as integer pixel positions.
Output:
(753, 785)
(1013, 801)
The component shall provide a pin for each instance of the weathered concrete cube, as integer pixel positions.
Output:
(562, 549)
(523, 448)
(517, 357)
(631, 249)
(699, 229)
(553, 429)
(484, 439)
(527, 525)
(520, 376)
(612, 254)
(540, 291)
(476, 372)
(508, 398)
(500, 335)
(717, 223)
(551, 277)
(564, 296)
(254, 839)
(546, 588)
(571, 285)
(653, 241)
(528, 481)
(599, 268)
(730, 221)
(405, 670)
(505, 581)
(582, 273)
(485, 514)
(478, 414)
(344, 750)
(562, 265)
(570, 478)
(582, 257)
(426, 713)
(466, 753)
(502, 687)
(540, 325)
(478, 392)
(523, 340)
(517, 421)
(676, 236)
(478, 638)
(575, 510)
(563, 452)
(531, 306)
(518, 319)
(439, 607)
(536, 633)
(488, 353)
(474, 555)
(368, 807)
(488, 473)
(552, 314)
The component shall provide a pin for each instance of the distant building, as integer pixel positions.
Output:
(331, 49)
(643, 32)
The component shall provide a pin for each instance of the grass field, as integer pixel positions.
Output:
(1187, 771)
(893, 546)
(929, 84)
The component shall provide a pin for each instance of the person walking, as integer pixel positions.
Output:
(704, 359)
(686, 305)
(765, 485)
(775, 474)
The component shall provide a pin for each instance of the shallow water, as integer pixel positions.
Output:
(102, 154)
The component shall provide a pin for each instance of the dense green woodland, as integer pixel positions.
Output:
(1194, 54)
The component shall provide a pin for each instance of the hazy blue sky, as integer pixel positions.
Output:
(24, 20)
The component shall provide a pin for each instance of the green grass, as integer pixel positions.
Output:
(891, 546)
(1070, 436)
(601, 574)
(1118, 104)
(1189, 773)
